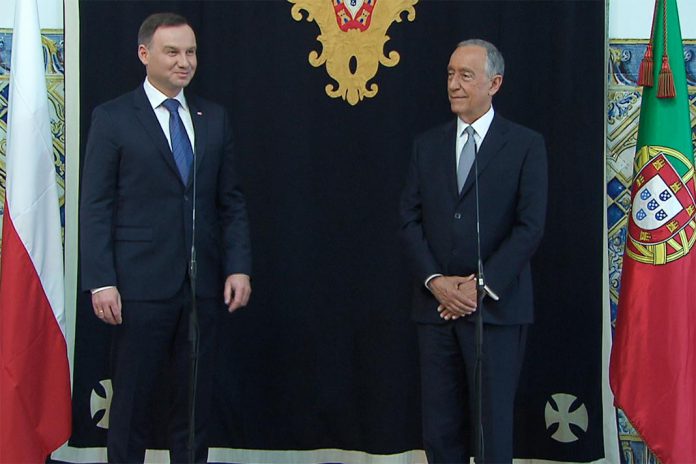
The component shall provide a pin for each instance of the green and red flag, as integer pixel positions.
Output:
(653, 359)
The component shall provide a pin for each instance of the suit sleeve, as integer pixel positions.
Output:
(421, 258)
(99, 181)
(233, 211)
(506, 263)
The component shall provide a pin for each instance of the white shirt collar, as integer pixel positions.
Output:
(156, 98)
(481, 125)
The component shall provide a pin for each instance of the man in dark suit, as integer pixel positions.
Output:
(438, 210)
(140, 181)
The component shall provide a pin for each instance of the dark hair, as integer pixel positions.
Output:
(155, 21)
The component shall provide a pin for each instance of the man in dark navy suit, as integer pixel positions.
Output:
(438, 211)
(150, 154)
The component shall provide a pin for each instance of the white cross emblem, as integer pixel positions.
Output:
(561, 414)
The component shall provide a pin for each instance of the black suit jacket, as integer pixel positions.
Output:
(135, 215)
(439, 224)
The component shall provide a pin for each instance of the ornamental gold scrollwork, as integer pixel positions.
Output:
(353, 38)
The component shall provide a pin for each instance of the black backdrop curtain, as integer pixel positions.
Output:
(325, 355)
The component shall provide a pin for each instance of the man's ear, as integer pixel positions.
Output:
(143, 54)
(496, 82)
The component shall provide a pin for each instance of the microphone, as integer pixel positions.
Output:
(193, 335)
(494, 296)
(193, 265)
(481, 290)
(480, 278)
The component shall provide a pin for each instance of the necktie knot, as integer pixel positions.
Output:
(470, 131)
(171, 105)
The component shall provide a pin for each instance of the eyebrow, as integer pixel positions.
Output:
(462, 69)
(173, 48)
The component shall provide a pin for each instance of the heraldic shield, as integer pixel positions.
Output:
(661, 225)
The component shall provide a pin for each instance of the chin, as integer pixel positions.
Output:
(457, 109)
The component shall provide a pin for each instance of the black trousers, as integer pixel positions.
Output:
(448, 361)
(153, 336)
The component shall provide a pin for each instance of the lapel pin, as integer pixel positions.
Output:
(199, 113)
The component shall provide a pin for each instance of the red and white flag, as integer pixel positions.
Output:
(35, 409)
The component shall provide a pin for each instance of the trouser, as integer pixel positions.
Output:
(448, 362)
(155, 334)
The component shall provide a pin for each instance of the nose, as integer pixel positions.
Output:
(183, 61)
(453, 82)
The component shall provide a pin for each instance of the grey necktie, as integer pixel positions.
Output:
(466, 158)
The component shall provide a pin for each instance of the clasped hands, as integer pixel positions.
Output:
(456, 294)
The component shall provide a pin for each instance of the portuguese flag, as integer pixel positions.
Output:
(653, 359)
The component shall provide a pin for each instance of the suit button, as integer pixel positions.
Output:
(186, 198)
(457, 216)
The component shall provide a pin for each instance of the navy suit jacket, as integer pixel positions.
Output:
(135, 214)
(439, 224)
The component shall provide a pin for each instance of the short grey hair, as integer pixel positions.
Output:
(495, 64)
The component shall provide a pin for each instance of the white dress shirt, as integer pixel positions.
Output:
(156, 98)
(481, 126)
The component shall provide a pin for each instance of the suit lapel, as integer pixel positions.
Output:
(200, 128)
(446, 159)
(147, 118)
(492, 145)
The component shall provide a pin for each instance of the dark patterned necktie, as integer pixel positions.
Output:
(466, 158)
(181, 145)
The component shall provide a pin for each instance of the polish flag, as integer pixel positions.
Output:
(35, 409)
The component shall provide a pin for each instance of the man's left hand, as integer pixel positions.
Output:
(237, 291)
(467, 288)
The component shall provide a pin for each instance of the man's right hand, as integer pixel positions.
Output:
(107, 305)
(456, 294)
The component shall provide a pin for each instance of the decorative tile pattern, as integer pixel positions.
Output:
(53, 46)
(623, 111)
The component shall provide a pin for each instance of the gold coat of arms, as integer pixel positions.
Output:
(353, 38)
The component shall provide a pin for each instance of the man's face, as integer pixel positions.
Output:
(170, 58)
(469, 88)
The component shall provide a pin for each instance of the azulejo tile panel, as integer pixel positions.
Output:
(623, 111)
(53, 47)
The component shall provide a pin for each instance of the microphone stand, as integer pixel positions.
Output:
(194, 332)
(478, 338)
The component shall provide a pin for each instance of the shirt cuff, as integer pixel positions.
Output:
(97, 290)
(427, 281)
